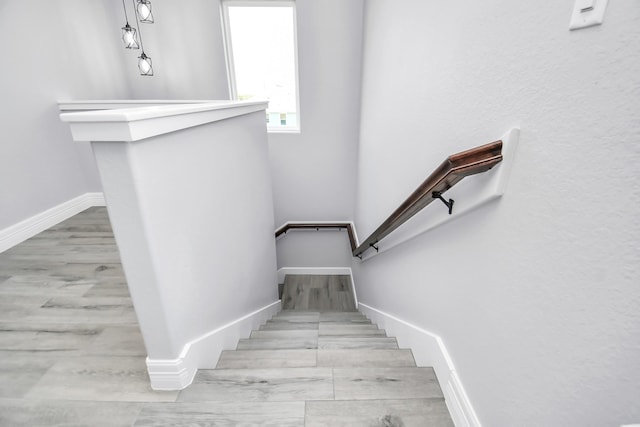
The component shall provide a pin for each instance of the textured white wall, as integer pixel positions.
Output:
(52, 50)
(324, 248)
(535, 296)
(313, 172)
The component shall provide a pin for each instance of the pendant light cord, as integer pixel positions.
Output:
(137, 25)
(126, 18)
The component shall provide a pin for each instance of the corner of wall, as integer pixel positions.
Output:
(203, 352)
(18, 233)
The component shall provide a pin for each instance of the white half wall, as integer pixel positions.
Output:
(535, 295)
(189, 198)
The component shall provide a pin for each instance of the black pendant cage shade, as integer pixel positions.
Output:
(145, 65)
(131, 36)
(143, 9)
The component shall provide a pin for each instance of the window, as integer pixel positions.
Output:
(262, 61)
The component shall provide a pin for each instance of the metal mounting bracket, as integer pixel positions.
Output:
(449, 204)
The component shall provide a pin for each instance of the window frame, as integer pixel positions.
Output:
(228, 49)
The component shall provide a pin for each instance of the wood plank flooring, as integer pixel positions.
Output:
(318, 293)
(71, 353)
(354, 381)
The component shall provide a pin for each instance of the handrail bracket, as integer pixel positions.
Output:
(449, 204)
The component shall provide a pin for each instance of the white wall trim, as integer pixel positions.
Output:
(140, 122)
(203, 352)
(319, 271)
(429, 350)
(18, 233)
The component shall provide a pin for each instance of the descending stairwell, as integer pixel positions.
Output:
(306, 368)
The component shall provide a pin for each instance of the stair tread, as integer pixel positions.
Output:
(351, 342)
(279, 334)
(277, 343)
(280, 358)
(237, 413)
(349, 329)
(338, 316)
(365, 358)
(289, 326)
(365, 413)
(385, 383)
(284, 384)
(312, 384)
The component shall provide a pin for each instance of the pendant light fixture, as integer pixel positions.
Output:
(145, 65)
(129, 34)
(144, 62)
(143, 8)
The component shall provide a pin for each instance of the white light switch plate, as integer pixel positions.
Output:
(587, 13)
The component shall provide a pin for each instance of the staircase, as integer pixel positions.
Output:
(313, 368)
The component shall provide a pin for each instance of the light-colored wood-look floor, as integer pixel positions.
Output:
(71, 353)
(345, 369)
(318, 293)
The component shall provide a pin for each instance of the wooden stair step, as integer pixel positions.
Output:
(291, 384)
(247, 359)
(273, 385)
(349, 329)
(275, 343)
(365, 358)
(289, 326)
(297, 316)
(344, 316)
(367, 413)
(283, 334)
(385, 383)
(234, 413)
(351, 342)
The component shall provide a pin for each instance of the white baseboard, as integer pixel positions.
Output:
(429, 350)
(204, 351)
(319, 271)
(18, 233)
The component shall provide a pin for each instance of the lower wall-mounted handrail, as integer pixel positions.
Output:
(317, 226)
(449, 173)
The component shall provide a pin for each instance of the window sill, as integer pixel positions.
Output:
(290, 130)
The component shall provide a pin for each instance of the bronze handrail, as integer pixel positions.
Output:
(317, 226)
(449, 173)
